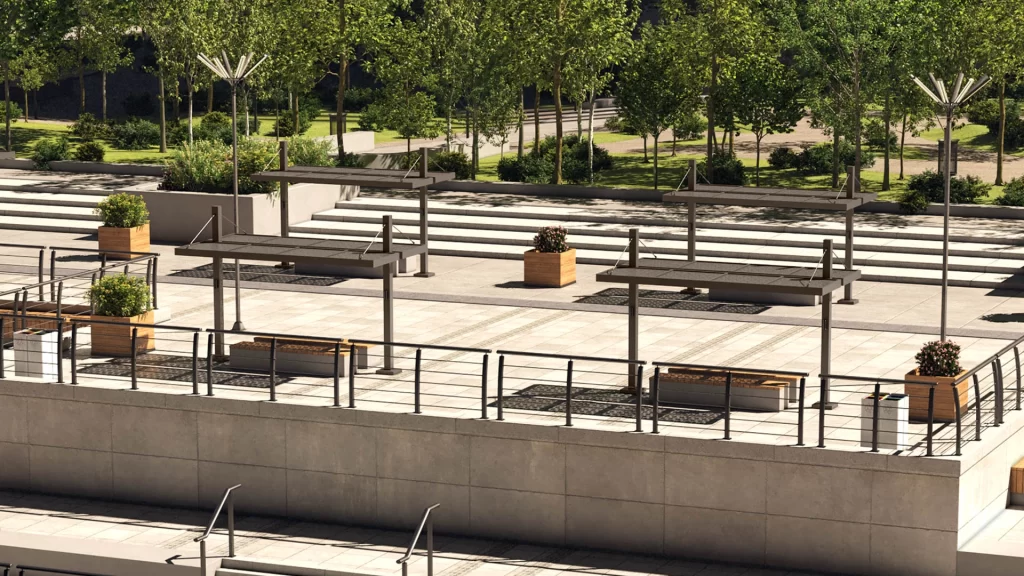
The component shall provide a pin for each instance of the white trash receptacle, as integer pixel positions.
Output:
(36, 353)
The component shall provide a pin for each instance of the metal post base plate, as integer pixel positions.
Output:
(284, 265)
(828, 405)
(691, 291)
(389, 371)
(424, 274)
(238, 326)
(849, 301)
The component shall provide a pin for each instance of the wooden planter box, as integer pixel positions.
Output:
(116, 339)
(124, 243)
(945, 409)
(550, 269)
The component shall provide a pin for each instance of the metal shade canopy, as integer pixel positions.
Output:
(791, 198)
(348, 253)
(784, 280)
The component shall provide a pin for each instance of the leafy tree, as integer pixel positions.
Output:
(33, 68)
(768, 99)
(97, 36)
(25, 23)
(450, 29)
(1003, 49)
(297, 47)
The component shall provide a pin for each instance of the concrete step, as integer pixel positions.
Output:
(252, 566)
(51, 212)
(48, 224)
(61, 199)
(997, 549)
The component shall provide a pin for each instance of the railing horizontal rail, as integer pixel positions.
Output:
(93, 320)
(988, 361)
(98, 251)
(869, 379)
(423, 346)
(728, 368)
(569, 357)
(83, 273)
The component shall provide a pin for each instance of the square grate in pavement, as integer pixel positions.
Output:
(171, 368)
(256, 273)
(603, 402)
(670, 300)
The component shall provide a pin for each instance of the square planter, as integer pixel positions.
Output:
(124, 243)
(114, 336)
(549, 269)
(945, 409)
(36, 353)
(893, 418)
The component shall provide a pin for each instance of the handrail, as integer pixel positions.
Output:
(729, 368)
(986, 362)
(230, 500)
(570, 357)
(22, 568)
(423, 346)
(120, 264)
(429, 523)
(870, 379)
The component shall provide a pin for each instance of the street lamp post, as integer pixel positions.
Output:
(949, 102)
(234, 76)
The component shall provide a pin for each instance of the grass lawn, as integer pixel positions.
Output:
(973, 136)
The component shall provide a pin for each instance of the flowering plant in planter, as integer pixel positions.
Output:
(551, 239)
(939, 359)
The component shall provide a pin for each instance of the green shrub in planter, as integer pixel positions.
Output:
(89, 152)
(1013, 194)
(88, 128)
(305, 151)
(728, 169)
(456, 162)
(551, 239)
(913, 202)
(350, 160)
(531, 168)
(50, 149)
(135, 134)
(962, 189)
(121, 296)
(123, 211)
(200, 167)
(255, 155)
(216, 119)
(939, 359)
(690, 127)
(783, 157)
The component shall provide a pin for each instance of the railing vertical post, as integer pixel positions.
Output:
(728, 406)
(352, 375)
(74, 354)
(430, 546)
(876, 399)
(654, 400)
(959, 418)
(125, 269)
(977, 408)
(14, 314)
(931, 418)
(155, 303)
(60, 297)
(639, 397)
(483, 388)
(800, 412)
(997, 375)
(1016, 360)
(202, 557)
(501, 386)
(337, 374)
(416, 382)
(42, 260)
(24, 309)
(103, 264)
(209, 365)
(60, 351)
(822, 405)
(2, 344)
(195, 363)
(273, 369)
(568, 394)
(135, 338)
(231, 524)
(53, 271)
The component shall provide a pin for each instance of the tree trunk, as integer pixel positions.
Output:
(448, 129)
(757, 162)
(673, 141)
(536, 120)
(209, 97)
(857, 128)
(835, 157)
(340, 106)
(475, 158)
(25, 92)
(189, 114)
(646, 160)
(656, 135)
(35, 104)
(711, 119)
(7, 104)
(1002, 132)
(732, 134)
(81, 85)
(295, 115)
(590, 136)
(163, 116)
(903, 140)
(522, 113)
(887, 120)
(245, 103)
(557, 89)
(579, 119)
(103, 93)
(277, 119)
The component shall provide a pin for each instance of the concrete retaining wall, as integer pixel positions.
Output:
(108, 168)
(793, 507)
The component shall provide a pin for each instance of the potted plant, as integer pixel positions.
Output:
(118, 301)
(551, 262)
(125, 230)
(937, 363)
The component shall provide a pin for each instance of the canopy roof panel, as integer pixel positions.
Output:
(304, 250)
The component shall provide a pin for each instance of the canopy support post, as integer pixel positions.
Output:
(389, 302)
(853, 187)
(826, 330)
(283, 166)
(634, 312)
(218, 287)
(424, 271)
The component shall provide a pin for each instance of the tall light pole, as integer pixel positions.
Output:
(234, 76)
(949, 102)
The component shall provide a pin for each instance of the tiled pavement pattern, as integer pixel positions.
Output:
(333, 547)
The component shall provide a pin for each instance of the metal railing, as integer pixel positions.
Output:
(228, 499)
(428, 522)
(22, 569)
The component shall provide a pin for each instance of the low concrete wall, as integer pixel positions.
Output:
(6, 155)
(177, 216)
(17, 164)
(854, 513)
(985, 476)
(355, 142)
(955, 210)
(97, 557)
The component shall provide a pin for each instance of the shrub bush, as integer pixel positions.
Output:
(986, 112)
(728, 169)
(50, 149)
(616, 124)
(551, 239)
(16, 112)
(531, 168)
(962, 189)
(939, 359)
(456, 162)
(123, 211)
(575, 167)
(303, 151)
(1013, 139)
(817, 159)
(1013, 194)
(88, 128)
(135, 134)
(913, 202)
(201, 167)
(120, 295)
(874, 134)
(255, 155)
(350, 160)
(358, 98)
(783, 157)
(215, 119)
(89, 152)
(690, 127)
(309, 109)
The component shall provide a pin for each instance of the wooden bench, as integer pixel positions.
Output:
(291, 358)
(1017, 484)
(761, 391)
(38, 319)
(362, 350)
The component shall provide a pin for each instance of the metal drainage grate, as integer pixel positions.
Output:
(670, 300)
(177, 369)
(255, 273)
(599, 402)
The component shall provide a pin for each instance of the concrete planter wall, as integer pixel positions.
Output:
(107, 168)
